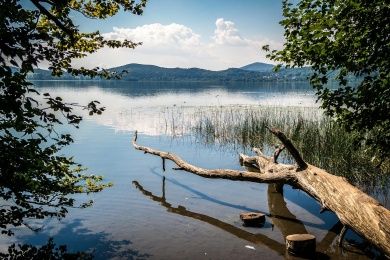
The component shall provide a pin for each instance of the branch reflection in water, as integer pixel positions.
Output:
(281, 217)
(279, 206)
(253, 238)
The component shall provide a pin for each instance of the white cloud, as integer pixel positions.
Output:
(157, 34)
(226, 33)
(176, 45)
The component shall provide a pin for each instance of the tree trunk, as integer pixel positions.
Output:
(354, 208)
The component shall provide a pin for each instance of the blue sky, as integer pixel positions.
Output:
(252, 17)
(212, 34)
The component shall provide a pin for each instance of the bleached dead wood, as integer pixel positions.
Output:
(355, 209)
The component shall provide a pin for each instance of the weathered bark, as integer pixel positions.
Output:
(354, 208)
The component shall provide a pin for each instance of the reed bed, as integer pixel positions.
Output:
(319, 139)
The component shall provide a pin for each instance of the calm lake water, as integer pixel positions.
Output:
(149, 213)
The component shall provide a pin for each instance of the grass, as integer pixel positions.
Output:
(319, 139)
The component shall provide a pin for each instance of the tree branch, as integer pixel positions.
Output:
(49, 15)
(269, 177)
(277, 152)
(290, 147)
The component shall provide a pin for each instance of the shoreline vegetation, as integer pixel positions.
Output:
(321, 141)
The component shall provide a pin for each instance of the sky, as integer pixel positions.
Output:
(210, 34)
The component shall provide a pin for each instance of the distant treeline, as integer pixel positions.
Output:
(137, 72)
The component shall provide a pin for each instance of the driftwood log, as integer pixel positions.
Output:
(355, 209)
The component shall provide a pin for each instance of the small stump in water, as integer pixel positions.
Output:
(301, 244)
(253, 219)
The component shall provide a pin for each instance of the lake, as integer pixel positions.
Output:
(149, 213)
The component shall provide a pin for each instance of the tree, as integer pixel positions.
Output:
(35, 180)
(347, 41)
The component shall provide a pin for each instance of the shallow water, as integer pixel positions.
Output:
(149, 213)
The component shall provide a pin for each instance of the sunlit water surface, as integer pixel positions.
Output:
(149, 213)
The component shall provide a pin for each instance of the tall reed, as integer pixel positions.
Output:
(320, 140)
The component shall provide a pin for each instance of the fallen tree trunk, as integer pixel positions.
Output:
(355, 209)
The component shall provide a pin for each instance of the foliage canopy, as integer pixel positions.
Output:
(35, 180)
(349, 39)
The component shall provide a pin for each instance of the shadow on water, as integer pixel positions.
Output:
(202, 195)
(277, 205)
(253, 238)
(79, 238)
(327, 248)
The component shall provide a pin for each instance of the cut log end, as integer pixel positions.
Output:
(301, 244)
(253, 219)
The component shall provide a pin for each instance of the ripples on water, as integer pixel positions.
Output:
(175, 215)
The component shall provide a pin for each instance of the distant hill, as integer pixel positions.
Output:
(138, 72)
(258, 66)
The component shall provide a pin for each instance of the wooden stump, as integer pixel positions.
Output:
(301, 244)
(252, 219)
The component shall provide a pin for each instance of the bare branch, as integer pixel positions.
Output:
(290, 147)
(277, 152)
(270, 177)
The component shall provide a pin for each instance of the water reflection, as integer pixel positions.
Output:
(163, 108)
(278, 207)
(278, 211)
(253, 238)
(99, 244)
(156, 109)
(134, 89)
(327, 248)
(230, 115)
(200, 194)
